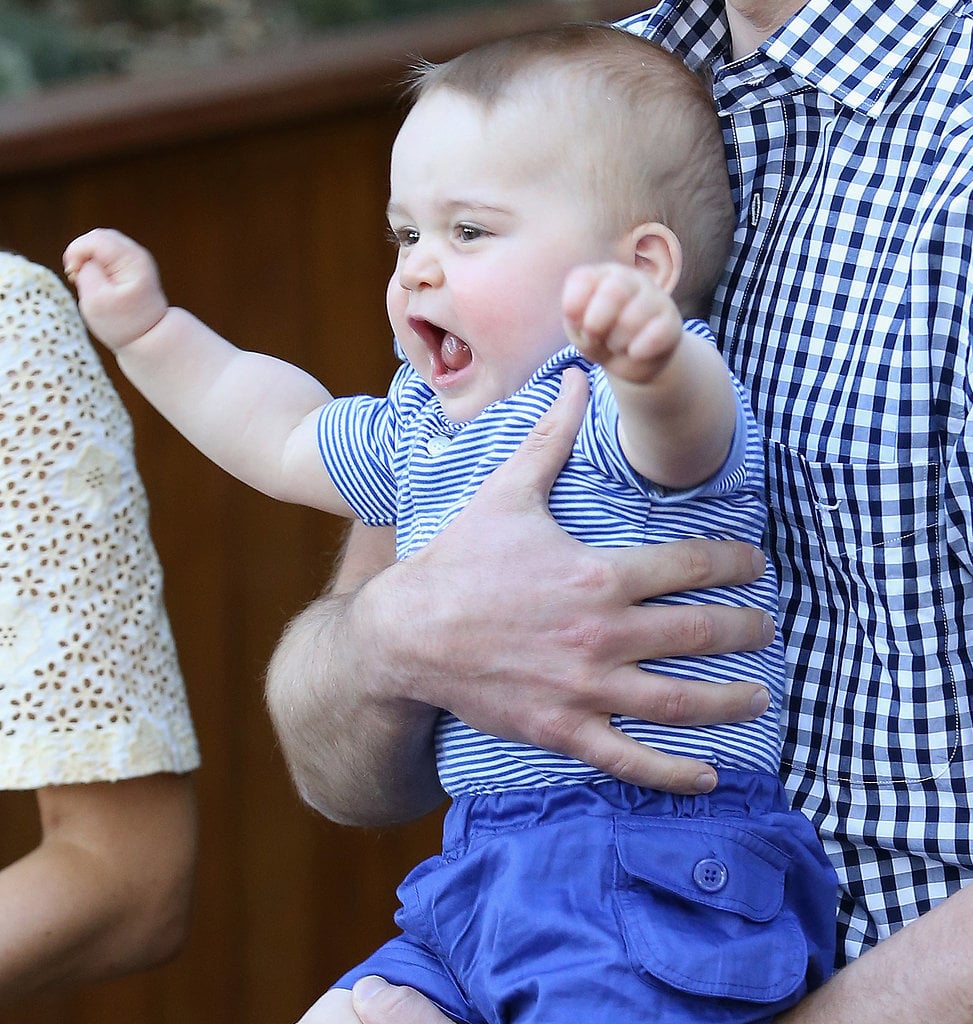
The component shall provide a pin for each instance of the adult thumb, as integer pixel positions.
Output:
(377, 1002)
(534, 466)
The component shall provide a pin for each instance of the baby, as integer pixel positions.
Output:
(559, 204)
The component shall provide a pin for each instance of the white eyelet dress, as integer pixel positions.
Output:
(90, 686)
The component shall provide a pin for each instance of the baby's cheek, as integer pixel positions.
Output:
(396, 300)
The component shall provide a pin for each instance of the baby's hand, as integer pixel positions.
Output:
(118, 287)
(618, 316)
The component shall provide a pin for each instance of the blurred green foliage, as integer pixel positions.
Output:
(36, 48)
(45, 42)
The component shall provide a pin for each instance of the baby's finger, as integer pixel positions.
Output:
(606, 305)
(75, 255)
(654, 333)
(579, 286)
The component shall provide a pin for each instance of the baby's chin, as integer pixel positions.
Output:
(463, 408)
(462, 412)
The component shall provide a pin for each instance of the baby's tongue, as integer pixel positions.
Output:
(456, 353)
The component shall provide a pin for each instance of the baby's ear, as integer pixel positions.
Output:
(657, 251)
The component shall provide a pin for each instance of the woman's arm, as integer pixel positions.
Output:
(107, 890)
(515, 627)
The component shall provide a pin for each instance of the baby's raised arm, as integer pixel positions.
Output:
(677, 409)
(252, 414)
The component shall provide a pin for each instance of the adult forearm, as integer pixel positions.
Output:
(357, 752)
(922, 973)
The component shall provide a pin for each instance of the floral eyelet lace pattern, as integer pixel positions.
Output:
(90, 686)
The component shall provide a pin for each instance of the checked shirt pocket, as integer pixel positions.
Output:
(864, 599)
(702, 907)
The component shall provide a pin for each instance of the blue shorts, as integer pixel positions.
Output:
(608, 902)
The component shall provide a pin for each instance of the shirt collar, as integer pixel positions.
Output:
(852, 50)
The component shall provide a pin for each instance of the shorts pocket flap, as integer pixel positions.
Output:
(722, 867)
(703, 910)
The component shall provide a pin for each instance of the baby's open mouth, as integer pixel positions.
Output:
(449, 352)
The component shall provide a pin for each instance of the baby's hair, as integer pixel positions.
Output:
(642, 126)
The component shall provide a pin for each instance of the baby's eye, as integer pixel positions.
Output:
(469, 232)
(403, 237)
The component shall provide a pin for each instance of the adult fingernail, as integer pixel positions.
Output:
(759, 702)
(769, 629)
(705, 783)
(369, 986)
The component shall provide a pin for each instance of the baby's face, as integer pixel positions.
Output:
(488, 221)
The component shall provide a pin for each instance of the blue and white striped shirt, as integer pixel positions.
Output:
(400, 460)
(846, 310)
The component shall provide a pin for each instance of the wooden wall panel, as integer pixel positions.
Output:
(273, 232)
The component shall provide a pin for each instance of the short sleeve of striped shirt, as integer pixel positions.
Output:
(743, 468)
(357, 440)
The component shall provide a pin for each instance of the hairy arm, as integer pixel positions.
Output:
(344, 729)
(354, 685)
(107, 890)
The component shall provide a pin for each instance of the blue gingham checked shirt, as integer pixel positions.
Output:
(846, 309)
